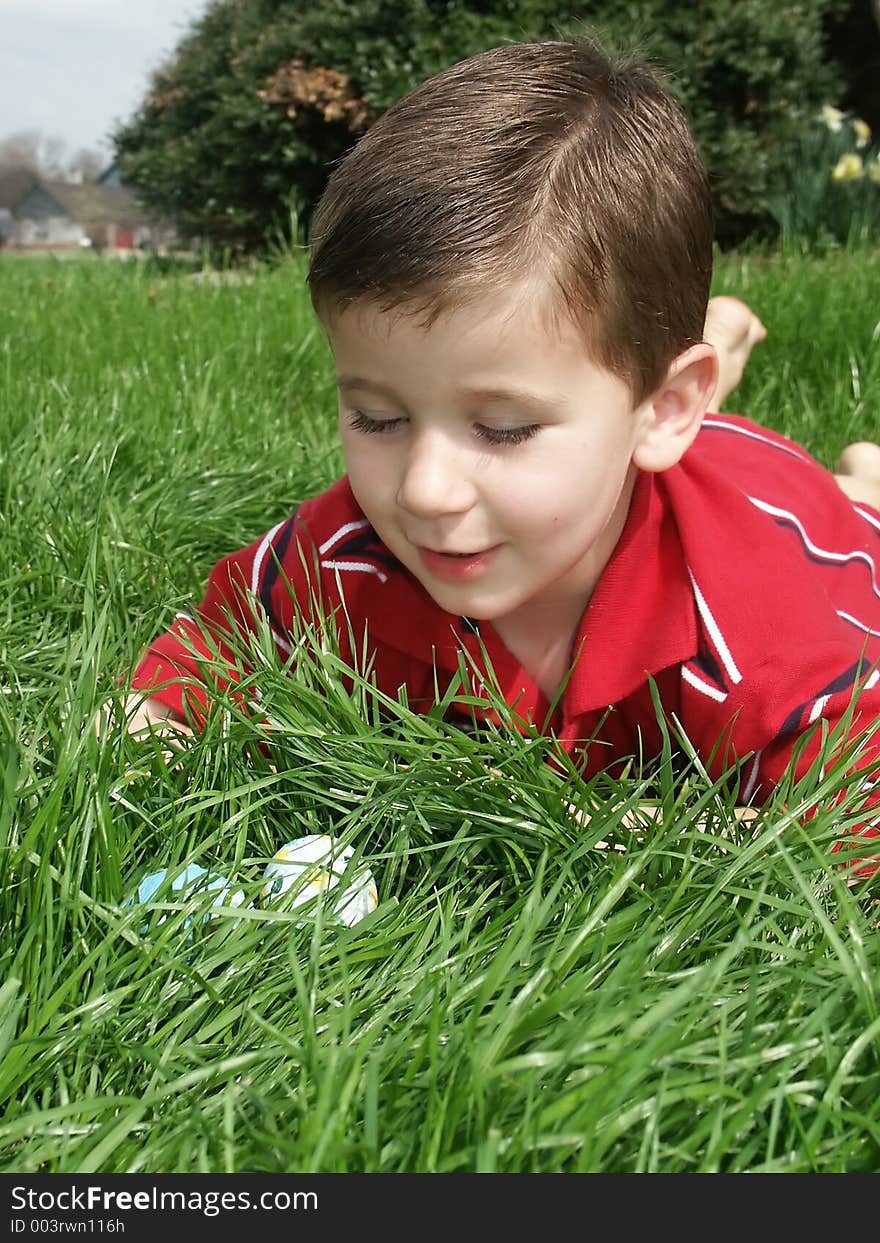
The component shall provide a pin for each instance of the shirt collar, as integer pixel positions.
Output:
(640, 618)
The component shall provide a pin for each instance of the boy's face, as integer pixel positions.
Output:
(493, 435)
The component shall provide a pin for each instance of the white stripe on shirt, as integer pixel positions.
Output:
(854, 621)
(857, 554)
(715, 632)
(752, 781)
(349, 526)
(863, 513)
(261, 556)
(753, 435)
(818, 708)
(705, 688)
(363, 566)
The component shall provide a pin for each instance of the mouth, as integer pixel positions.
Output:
(457, 565)
(440, 552)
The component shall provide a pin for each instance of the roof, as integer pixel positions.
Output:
(15, 185)
(88, 203)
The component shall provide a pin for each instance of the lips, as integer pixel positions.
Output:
(443, 552)
(457, 566)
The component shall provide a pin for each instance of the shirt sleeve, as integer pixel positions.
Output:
(785, 573)
(207, 652)
(775, 733)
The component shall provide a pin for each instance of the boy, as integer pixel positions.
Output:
(512, 268)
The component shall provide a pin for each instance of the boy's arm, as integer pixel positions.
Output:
(785, 736)
(148, 713)
(142, 713)
(635, 817)
(855, 755)
(202, 652)
(250, 593)
(784, 744)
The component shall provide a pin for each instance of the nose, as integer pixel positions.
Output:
(436, 478)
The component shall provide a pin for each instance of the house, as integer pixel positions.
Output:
(40, 213)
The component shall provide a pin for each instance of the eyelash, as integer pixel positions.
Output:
(494, 435)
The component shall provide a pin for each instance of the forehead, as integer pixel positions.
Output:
(503, 346)
(526, 309)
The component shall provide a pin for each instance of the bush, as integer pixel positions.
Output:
(827, 184)
(241, 127)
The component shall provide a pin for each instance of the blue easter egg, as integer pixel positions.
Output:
(191, 881)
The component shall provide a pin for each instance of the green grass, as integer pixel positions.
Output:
(521, 1000)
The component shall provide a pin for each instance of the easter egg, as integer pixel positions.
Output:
(316, 869)
(190, 882)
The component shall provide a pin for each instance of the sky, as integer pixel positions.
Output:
(74, 68)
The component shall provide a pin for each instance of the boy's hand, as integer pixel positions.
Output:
(634, 818)
(142, 714)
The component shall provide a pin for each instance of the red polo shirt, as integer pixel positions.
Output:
(745, 585)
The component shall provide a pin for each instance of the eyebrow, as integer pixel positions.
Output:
(521, 396)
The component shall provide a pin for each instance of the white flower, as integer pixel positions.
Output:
(832, 117)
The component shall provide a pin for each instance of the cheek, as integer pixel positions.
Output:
(532, 513)
(362, 462)
(566, 499)
(371, 480)
(548, 494)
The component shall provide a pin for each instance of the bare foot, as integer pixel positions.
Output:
(858, 473)
(734, 329)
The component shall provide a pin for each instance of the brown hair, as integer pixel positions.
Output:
(544, 159)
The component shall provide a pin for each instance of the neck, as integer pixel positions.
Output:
(541, 633)
(542, 643)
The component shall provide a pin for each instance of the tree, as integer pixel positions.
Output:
(86, 164)
(240, 128)
(33, 150)
(47, 156)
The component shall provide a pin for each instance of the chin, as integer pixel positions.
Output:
(462, 607)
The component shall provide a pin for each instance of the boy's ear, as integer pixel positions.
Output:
(673, 413)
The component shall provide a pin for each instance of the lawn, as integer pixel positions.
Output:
(521, 1000)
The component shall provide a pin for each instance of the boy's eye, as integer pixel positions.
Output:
(493, 435)
(363, 423)
(507, 435)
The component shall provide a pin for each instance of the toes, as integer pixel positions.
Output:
(731, 324)
(861, 458)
